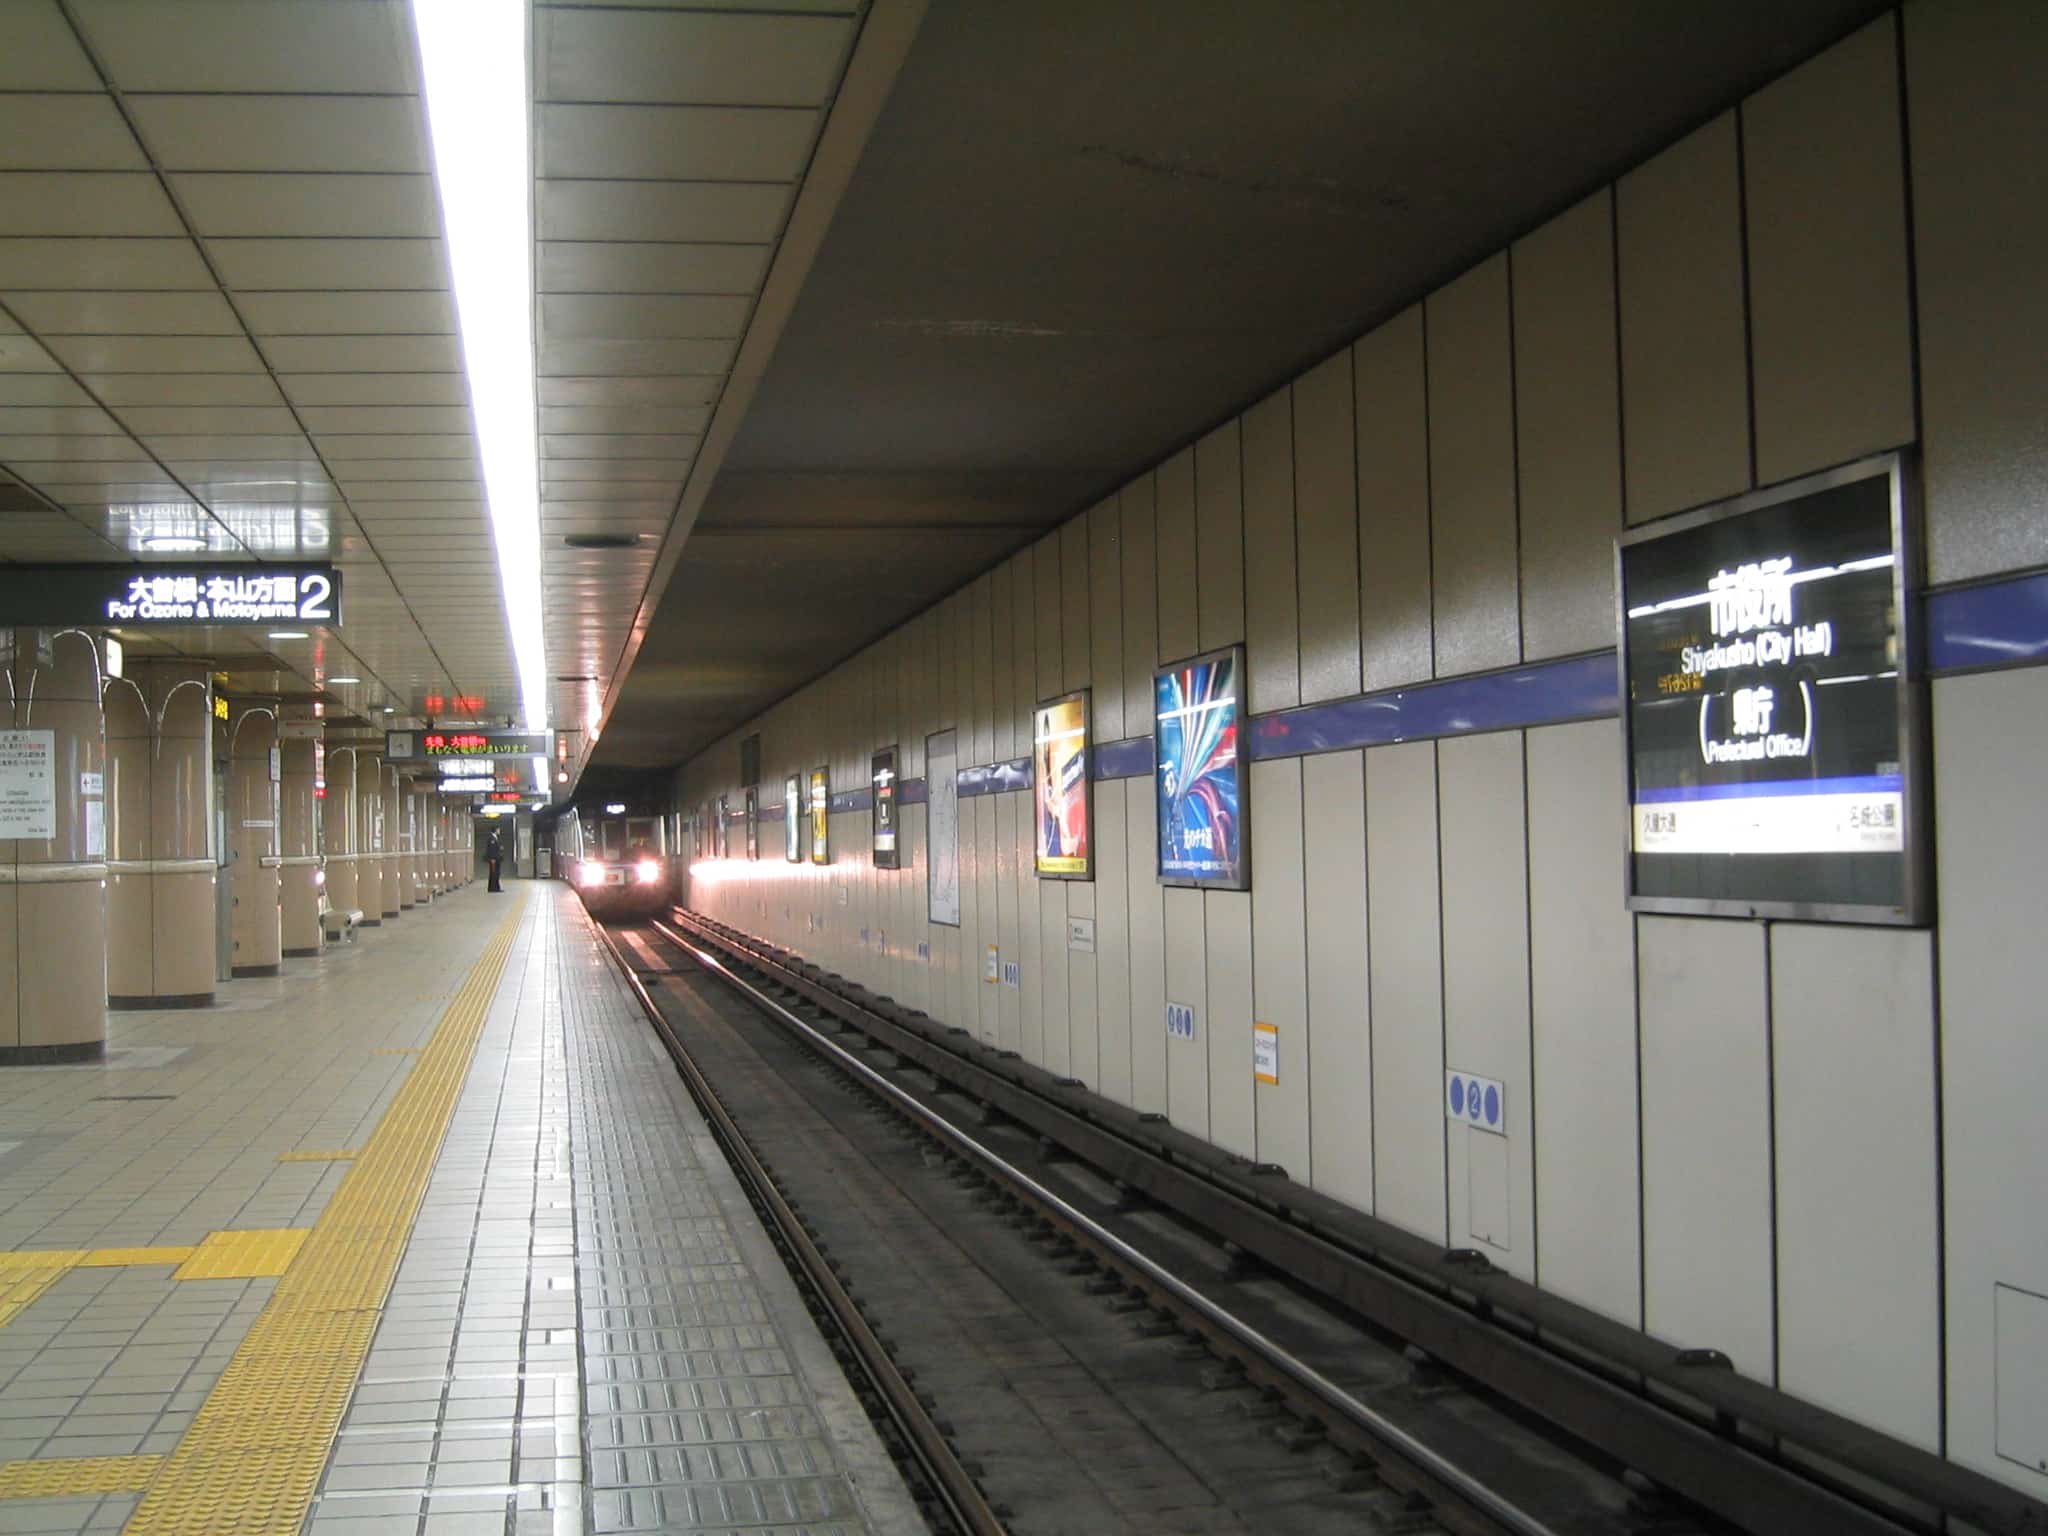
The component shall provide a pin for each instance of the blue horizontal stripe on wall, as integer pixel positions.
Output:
(2000, 624)
(1775, 789)
(850, 800)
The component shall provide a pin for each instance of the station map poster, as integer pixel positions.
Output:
(1199, 782)
(1060, 787)
(942, 826)
(1772, 714)
(793, 819)
(882, 777)
(752, 801)
(821, 816)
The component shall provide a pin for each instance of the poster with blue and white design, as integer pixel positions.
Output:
(1196, 742)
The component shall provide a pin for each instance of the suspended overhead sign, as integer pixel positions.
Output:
(140, 595)
(422, 746)
(1773, 719)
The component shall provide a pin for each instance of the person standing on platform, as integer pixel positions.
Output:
(493, 857)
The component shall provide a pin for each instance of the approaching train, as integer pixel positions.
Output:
(623, 863)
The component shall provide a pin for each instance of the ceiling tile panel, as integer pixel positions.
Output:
(578, 477)
(65, 133)
(69, 203)
(117, 264)
(62, 419)
(308, 389)
(81, 313)
(748, 212)
(347, 206)
(594, 316)
(38, 52)
(627, 55)
(630, 358)
(20, 448)
(675, 143)
(318, 264)
(364, 354)
(348, 314)
(156, 354)
(119, 389)
(283, 133)
(618, 449)
(327, 420)
(695, 389)
(252, 45)
(147, 419)
(624, 418)
(587, 266)
(40, 389)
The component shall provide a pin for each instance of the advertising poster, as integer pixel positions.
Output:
(1770, 740)
(882, 777)
(1200, 786)
(1060, 787)
(942, 826)
(821, 816)
(793, 819)
(753, 805)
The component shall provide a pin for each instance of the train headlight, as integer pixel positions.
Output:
(590, 873)
(647, 871)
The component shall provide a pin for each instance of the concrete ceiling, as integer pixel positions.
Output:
(1081, 233)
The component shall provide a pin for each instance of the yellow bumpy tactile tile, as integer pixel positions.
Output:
(25, 1276)
(251, 1460)
(243, 1255)
(118, 1258)
(70, 1477)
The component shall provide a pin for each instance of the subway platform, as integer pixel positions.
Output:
(421, 1238)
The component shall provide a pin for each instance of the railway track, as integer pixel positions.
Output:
(1047, 1351)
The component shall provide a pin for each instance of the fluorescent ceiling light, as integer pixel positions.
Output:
(287, 634)
(473, 60)
(173, 543)
(333, 680)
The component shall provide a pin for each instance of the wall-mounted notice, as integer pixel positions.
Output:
(1773, 721)
(882, 781)
(28, 784)
(1180, 1021)
(1266, 1053)
(942, 826)
(821, 816)
(793, 819)
(1480, 1102)
(1061, 788)
(95, 828)
(991, 966)
(1202, 832)
(753, 805)
(1081, 935)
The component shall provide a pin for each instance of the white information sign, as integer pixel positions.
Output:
(95, 829)
(991, 966)
(92, 784)
(1081, 935)
(1180, 1021)
(28, 784)
(942, 833)
(1266, 1053)
(1481, 1102)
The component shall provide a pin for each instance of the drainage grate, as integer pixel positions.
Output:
(129, 1098)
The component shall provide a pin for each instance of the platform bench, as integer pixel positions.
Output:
(338, 924)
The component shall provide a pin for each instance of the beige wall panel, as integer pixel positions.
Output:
(1030, 941)
(1280, 962)
(1568, 429)
(1483, 835)
(1050, 612)
(1339, 983)
(1084, 1050)
(1980, 222)
(1707, 1137)
(1174, 540)
(1054, 1003)
(1272, 607)
(63, 962)
(1684, 350)
(1990, 738)
(1186, 981)
(1148, 950)
(1227, 940)
(1858, 1199)
(1219, 537)
(1326, 518)
(1472, 472)
(1141, 603)
(1389, 375)
(1024, 643)
(1011, 873)
(983, 621)
(1830, 319)
(1407, 1003)
(960, 634)
(988, 913)
(1113, 940)
(1583, 1019)
(1106, 621)
(1075, 648)
(915, 974)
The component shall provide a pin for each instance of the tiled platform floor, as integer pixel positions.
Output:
(587, 1330)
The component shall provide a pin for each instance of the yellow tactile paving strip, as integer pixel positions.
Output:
(341, 1155)
(242, 1255)
(250, 1255)
(251, 1460)
(25, 1276)
(71, 1477)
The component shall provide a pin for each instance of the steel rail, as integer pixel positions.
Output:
(1495, 1505)
(962, 1496)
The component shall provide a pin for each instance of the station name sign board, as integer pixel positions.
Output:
(220, 595)
(465, 744)
(1772, 714)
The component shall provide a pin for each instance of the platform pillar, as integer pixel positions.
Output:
(370, 837)
(338, 831)
(298, 826)
(253, 795)
(392, 857)
(418, 861)
(53, 889)
(162, 869)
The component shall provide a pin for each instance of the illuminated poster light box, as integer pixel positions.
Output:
(1062, 788)
(1197, 755)
(1773, 715)
(821, 816)
(882, 782)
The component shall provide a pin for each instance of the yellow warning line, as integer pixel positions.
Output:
(70, 1477)
(251, 1459)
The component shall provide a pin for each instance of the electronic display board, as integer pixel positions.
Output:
(1198, 771)
(221, 595)
(882, 778)
(793, 819)
(821, 816)
(1772, 712)
(466, 743)
(1061, 788)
